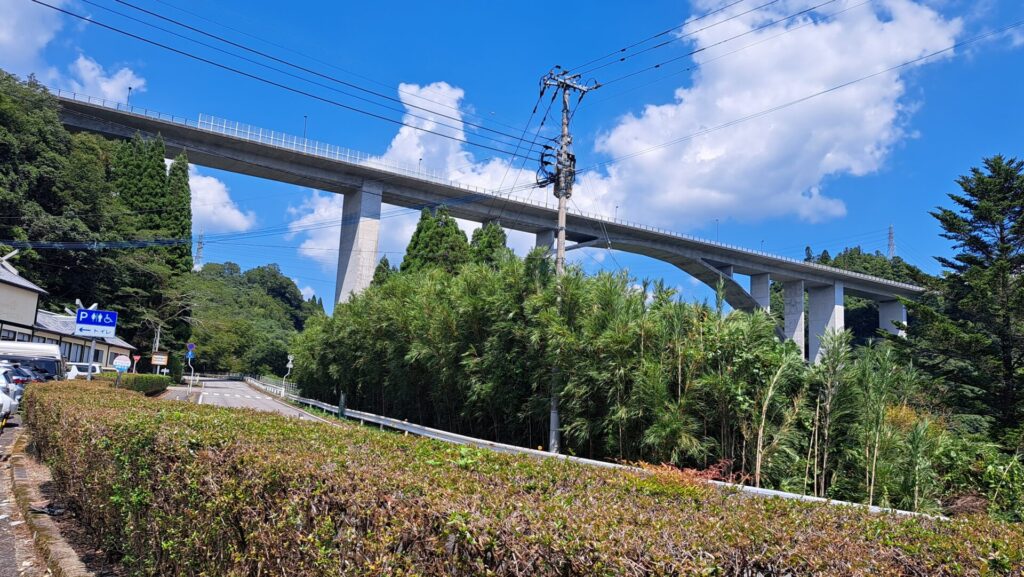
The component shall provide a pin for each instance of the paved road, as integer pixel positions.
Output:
(240, 395)
(17, 552)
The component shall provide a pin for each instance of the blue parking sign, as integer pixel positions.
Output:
(95, 323)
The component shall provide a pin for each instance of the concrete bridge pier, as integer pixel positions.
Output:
(761, 290)
(890, 312)
(360, 232)
(546, 239)
(793, 313)
(825, 313)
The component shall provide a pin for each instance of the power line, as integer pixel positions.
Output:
(791, 103)
(719, 43)
(329, 64)
(301, 78)
(704, 63)
(653, 37)
(674, 40)
(266, 80)
(522, 165)
(305, 69)
(468, 198)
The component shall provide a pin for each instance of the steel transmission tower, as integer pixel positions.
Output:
(892, 241)
(562, 178)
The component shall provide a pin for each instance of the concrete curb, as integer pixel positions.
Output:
(60, 557)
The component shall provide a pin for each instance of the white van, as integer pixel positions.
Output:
(42, 358)
(80, 370)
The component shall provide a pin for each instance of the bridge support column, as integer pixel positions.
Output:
(360, 231)
(726, 270)
(546, 239)
(890, 312)
(761, 290)
(825, 312)
(793, 313)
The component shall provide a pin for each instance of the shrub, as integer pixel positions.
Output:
(145, 383)
(177, 489)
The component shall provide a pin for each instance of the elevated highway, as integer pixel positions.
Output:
(367, 181)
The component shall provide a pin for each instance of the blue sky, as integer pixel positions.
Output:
(834, 171)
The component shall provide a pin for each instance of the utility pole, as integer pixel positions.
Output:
(562, 179)
(156, 347)
(892, 241)
(199, 249)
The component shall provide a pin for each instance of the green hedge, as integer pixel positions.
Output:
(177, 489)
(144, 383)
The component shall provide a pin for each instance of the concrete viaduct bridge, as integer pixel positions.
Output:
(366, 182)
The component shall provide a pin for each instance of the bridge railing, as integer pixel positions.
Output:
(306, 146)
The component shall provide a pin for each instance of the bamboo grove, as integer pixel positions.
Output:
(470, 345)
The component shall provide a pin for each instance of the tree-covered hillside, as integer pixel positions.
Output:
(110, 222)
(244, 322)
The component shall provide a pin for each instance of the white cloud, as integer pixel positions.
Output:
(769, 167)
(1016, 38)
(413, 149)
(25, 30)
(89, 77)
(213, 210)
(774, 165)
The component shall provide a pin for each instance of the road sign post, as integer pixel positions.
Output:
(88, 365)
(135, 365)
(121, 364)
(94, 323)
(284, 381)
(192, 372)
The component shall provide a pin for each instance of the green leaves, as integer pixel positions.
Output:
(176, 489)
(437, 242)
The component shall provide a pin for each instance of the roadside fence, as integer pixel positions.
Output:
(421, 431)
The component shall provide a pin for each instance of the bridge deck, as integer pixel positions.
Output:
(247, 150)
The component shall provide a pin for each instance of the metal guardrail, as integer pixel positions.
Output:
(303, 145)
(457, 439)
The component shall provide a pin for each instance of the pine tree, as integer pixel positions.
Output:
(974, 335)
(382, 272)
(415, 252)
(488, 244)
(179, 216)
(437, 242)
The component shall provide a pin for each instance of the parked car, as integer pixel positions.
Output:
(7, 403)
(42, 358)
(22, 376)
(80, 370)
(8, 383)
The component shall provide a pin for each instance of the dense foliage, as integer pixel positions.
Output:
(645, 376)
(175, 490)
(56, 186)
(139, 382)
(971, 330)
(243, 321)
